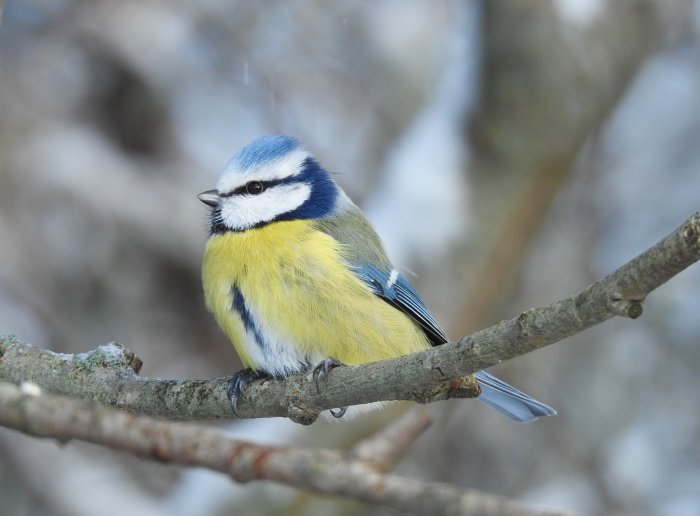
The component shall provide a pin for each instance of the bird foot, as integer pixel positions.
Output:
(321, 373)
(239, 383)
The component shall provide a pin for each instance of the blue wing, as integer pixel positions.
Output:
(396, 290)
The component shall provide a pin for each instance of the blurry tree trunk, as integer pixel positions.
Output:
(548, 81)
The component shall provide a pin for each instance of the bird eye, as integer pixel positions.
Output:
(254, 188)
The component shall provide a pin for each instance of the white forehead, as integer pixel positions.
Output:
(265, 159)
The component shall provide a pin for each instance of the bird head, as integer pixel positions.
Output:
(273, 178)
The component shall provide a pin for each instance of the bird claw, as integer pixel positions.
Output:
(239, 383)
(320, 374)
(321, 370)
(339, 412)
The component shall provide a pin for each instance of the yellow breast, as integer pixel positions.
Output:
(286, 299)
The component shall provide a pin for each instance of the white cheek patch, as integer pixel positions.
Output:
(245, 211)
(289, 165)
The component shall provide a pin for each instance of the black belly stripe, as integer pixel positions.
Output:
(239, 306)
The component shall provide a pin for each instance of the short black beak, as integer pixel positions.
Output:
(210, 198)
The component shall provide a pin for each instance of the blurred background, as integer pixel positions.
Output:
(510, 152)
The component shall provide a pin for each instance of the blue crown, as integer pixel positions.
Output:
(261, 151)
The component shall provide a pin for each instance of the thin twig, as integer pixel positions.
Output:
(321, 471)
(386, 447)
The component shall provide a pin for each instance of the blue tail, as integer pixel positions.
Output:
(508, 400)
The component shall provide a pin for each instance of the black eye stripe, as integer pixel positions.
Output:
(244, 189)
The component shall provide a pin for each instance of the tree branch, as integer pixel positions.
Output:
(386, 447)
(109, 373)
(321, 471)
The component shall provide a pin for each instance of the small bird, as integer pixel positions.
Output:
(298, 279)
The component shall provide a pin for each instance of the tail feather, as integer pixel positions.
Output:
(508, 400)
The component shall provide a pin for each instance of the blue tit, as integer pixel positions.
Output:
(294, 274)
